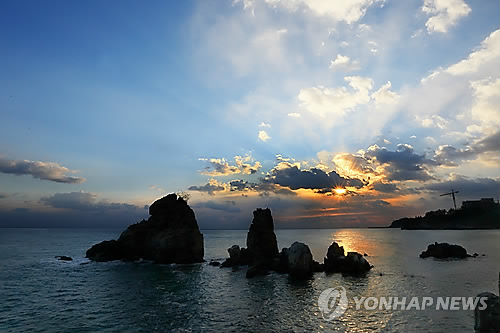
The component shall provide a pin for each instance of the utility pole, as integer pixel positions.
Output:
(452, 193)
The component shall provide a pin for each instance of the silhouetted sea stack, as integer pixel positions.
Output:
(444, 250)
(262, 246)
(261, 239)
(170, 235)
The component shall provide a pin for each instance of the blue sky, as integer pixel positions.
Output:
(106, 106)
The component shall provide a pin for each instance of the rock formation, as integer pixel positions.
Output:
(262, 246)
(262, 253)
(261, 239)
(336, 262)
(300, 260)
(488, 319)
(170, 235)
(444, 250)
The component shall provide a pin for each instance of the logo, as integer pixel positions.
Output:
(333, 302)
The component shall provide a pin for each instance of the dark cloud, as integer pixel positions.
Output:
(451, 156)
(287, 175)
(240, 185)
(490, 143)
(401, 164)
(228, 206)
(385, 187)
(448, 155)
(469, 188)
(263, 186)
(41, 170)
(84, 201)
(211, 187)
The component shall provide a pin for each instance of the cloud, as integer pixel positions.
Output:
(84, 201)
(385, 187)
(211, 187)
(263, 124)
(336, 102)
(263, 136)
(41, 170)
(489, 143)
(336, 10)
(3, 195)
(451, 156)
(344, 63)
(433, 121)
(468, 187)
(221, 167)
(294, 115)
(402, 164)
(384, 95)
(227, 206)
(444, 14)
(289, 175)
(489, 50)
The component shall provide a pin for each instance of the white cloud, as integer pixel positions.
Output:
(384, 95)
(486, 108)
(344, 63)
(335, 102)
(444, 14)
(433, 121)
(294, 115)
(221, 167)
(338, 10)
(263, 136)
(263, 124)
(487, 52)
(464, 93)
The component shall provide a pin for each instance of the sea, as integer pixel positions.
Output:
(39, 293)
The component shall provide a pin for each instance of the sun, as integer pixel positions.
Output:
(340, 190)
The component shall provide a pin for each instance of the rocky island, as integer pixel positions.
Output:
(170, 235)
(262, 256)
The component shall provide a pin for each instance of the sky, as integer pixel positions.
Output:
(331, 113)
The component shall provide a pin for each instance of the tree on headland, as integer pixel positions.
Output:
(184, 195)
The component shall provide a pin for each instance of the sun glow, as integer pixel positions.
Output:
(340, 190)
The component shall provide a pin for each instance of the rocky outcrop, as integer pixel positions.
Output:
(237, 257)
(300, 260)
(261, 253)
(444, 250)
(352, 264)
(261, 239)
(262, 246)
(170, 235)
(488, 319)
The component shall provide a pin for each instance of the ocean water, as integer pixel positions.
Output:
(41, 294)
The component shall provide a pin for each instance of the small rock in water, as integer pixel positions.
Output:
(63, 258)
(444, 250)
